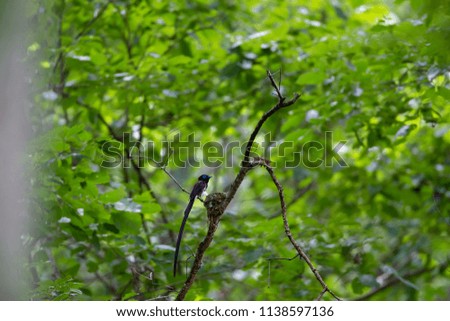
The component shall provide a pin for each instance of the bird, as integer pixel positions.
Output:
(196, 192)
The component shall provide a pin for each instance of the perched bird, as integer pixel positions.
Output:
(197, 191)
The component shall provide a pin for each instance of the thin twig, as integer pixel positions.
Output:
(274, 85)
(279, 259)
(269, 169)
(163, 168)
(246, 162)
(324, 290)
(289, 234)
(281, 104)
(283, 258)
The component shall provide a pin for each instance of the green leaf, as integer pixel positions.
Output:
(179, 60)
(113, 195)
(311, 78)
(126, 222)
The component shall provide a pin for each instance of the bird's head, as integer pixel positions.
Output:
(204, 178)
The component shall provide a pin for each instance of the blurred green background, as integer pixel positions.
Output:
(125, 74)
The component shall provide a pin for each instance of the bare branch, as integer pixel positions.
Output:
(324, 290)
(287, 230)
(281, 104)
(274, 85)
(163, 168)
(246, 162)
(279, 259)
(283, 258)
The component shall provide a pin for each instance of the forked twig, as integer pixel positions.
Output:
(218, 202)
(287, 230)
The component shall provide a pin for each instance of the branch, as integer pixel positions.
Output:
(246, 162)
(174, 179)
(281, 104)
(279, 259)
(274, 85)
(283, 258)
(324, 290)
(217, 203)
(162, 165)
(287, 230)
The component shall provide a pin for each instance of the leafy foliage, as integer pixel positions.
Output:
(114, 80)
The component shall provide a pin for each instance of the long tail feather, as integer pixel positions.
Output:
(180, 234)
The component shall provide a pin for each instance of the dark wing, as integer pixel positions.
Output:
(198, 189)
